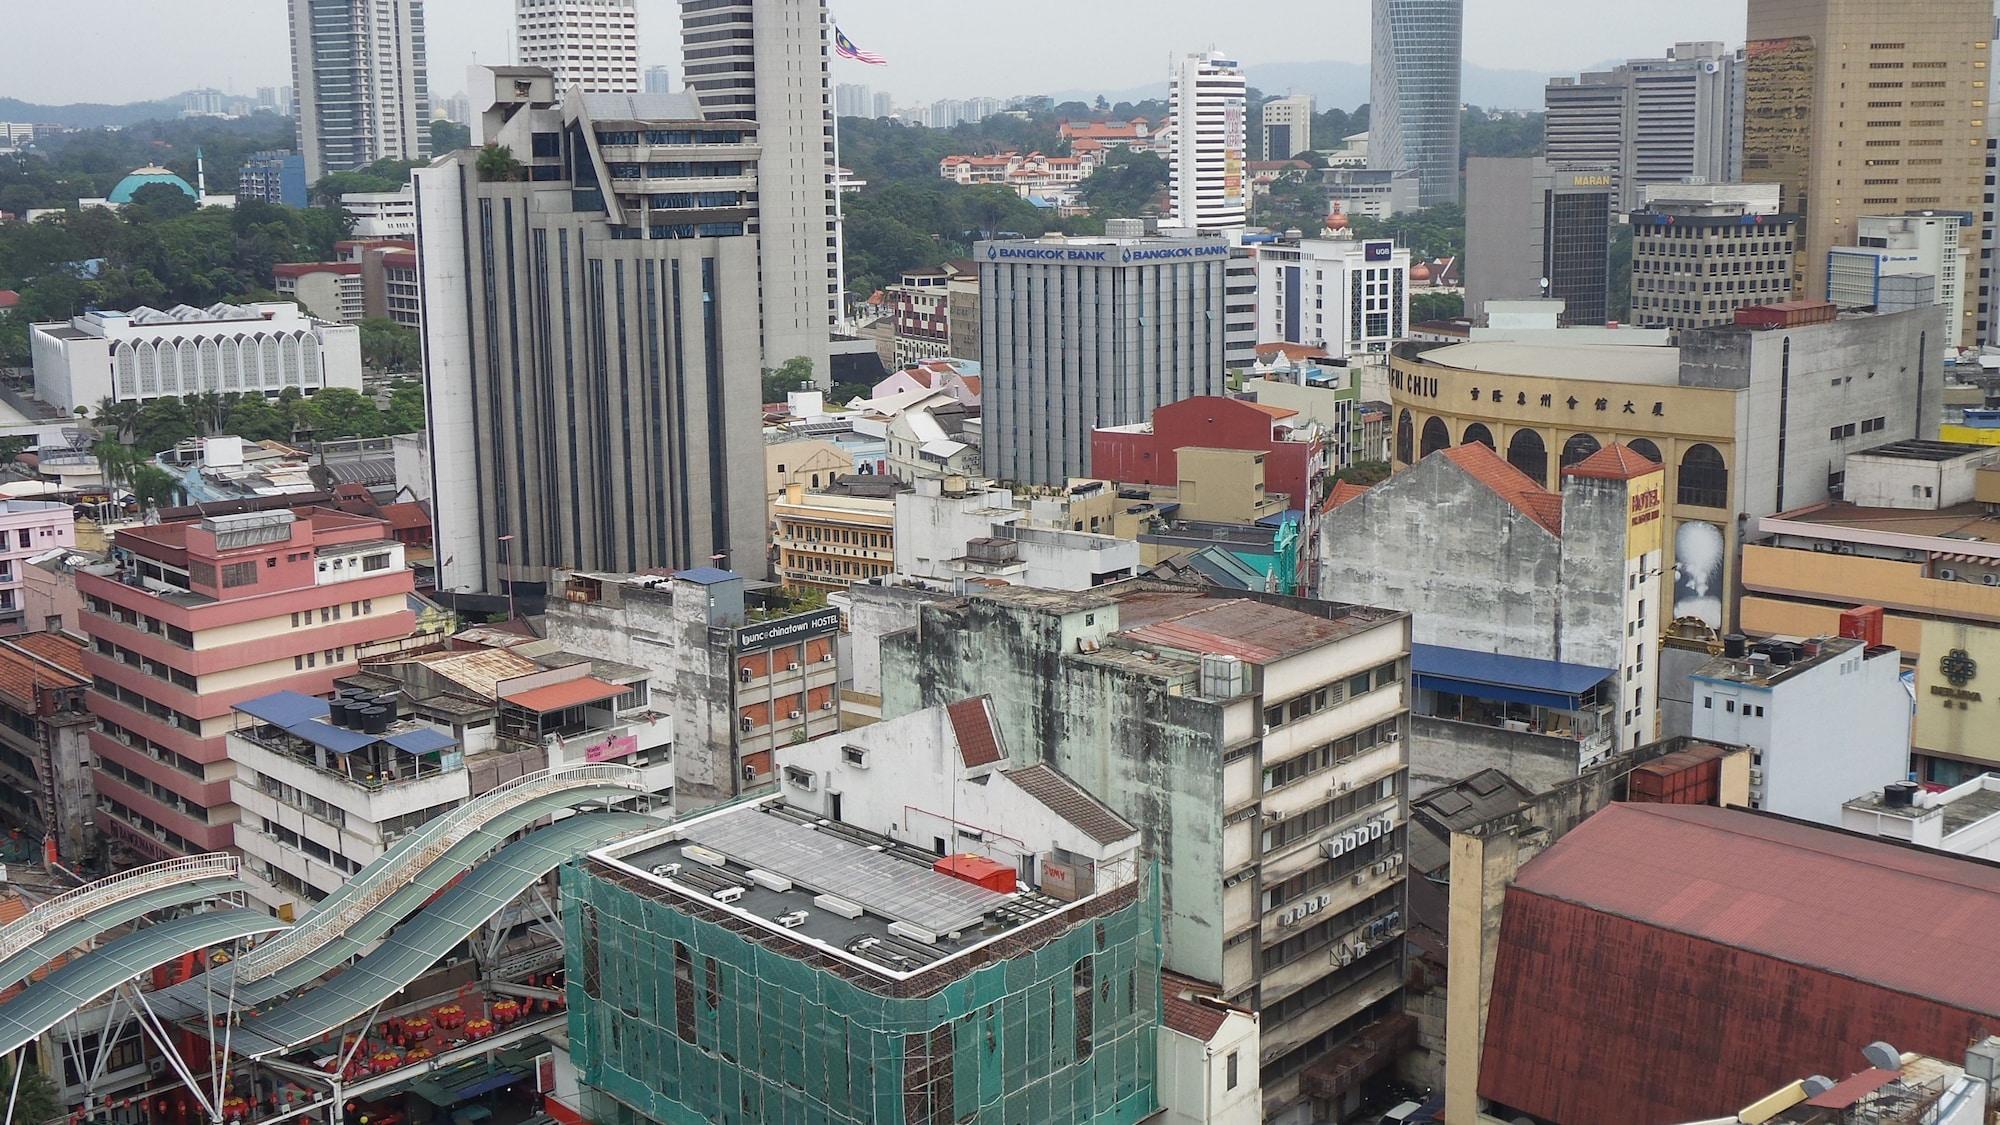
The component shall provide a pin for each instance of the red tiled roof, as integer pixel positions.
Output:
(1273, 411)
(971, 382)
(1066, 799)
(21, 674)
(1616, 461)
(405, 515)
(1295, 351)
(59, 649)
(1508, 483)
(1343, 491)
(1190, 1007)
(9, 298)
(978, 742)
(1793, 891)
(569, 693)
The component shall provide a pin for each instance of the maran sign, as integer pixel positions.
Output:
(789, 630)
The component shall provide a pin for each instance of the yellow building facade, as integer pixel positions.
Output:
(1544, 423)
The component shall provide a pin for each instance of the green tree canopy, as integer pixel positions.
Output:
(447, 136)
(388, 346)
(795, 374)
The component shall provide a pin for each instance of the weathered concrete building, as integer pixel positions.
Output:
(1535, 612)
(740, 676)
(1257, 743)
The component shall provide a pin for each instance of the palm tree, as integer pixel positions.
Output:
(121, 418)
(210, 410)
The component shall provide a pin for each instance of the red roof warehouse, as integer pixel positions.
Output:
(1665, 963)
(1145, 453)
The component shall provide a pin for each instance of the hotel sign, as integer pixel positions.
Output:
(789, 630)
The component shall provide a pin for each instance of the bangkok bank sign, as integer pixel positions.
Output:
(1101, 255)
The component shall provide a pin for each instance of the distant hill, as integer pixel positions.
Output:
(89, 115)
(1344, 85)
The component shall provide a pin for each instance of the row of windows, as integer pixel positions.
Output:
(1334, 870)
(147, 826)
(154, 668)
(150, 706)
(291, 797)
(308, 846)
(1328, 986)
(1343, 749)
(153, 789)
(1299, 826)
(331, 656)
(162, 754)
(1332, 695)
(813, 533)
(1867, 426)
(331, 613)
(140, 621)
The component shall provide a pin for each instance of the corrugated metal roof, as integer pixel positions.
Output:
(1664, 963)
(1256, 631)
(569, 693)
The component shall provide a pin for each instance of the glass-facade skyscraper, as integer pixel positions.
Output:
(1413, 79)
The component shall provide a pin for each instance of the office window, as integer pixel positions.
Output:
(237, 574)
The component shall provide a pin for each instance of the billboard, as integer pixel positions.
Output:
(789, 630)
(1699, 554)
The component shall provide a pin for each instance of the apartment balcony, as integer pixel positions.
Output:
(651, 153)
(372, 785)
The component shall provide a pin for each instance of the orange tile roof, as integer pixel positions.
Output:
(1616, 461)
(61, 649)
(971, 383)
(1508, 483)
(1191, 1007)
(1343, 491)
(21, 673)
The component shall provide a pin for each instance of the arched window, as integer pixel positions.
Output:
(1406, 439)
(1436, 437)
(1479, 433)
(1646, 449)
(1526, 452)
(1577, 448)
(1704, 479)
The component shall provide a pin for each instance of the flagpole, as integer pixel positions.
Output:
(839, 209)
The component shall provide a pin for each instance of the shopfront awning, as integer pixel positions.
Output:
(1506, 679)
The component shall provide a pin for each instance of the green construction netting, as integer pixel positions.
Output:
(776, 1041)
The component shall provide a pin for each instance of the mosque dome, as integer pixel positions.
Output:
(151, 174)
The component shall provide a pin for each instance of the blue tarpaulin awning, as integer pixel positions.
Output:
(424, 741)
(1505, 679)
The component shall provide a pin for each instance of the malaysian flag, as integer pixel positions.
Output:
(845, 48)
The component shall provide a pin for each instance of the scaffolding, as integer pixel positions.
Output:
(686, 1015)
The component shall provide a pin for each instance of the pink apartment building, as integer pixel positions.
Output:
(27, 528)
(189, 619)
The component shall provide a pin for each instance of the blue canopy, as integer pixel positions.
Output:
(284, 708)
(421, 741)
(1506, 679)
(340, 740)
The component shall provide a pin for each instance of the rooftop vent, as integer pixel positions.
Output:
(793, 920)
(729, 894)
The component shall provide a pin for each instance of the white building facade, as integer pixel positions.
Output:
(1206, 181)
(592, 46)
(151, 353)
(1890, 257)
(1288, 126)
(382, 214)
(945, 536)
(1822, 717)
(1344, 295)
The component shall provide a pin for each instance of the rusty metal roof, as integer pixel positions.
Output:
(972, 723)
(1255, 631)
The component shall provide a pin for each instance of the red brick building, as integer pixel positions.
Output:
(1666, 963)
(1146, 453)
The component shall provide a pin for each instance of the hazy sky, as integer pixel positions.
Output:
(128, 50)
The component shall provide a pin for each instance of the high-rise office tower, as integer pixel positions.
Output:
(1861, 108)
(590, 350)
(1206, 179)
(1413, 86)
(590, 45)
(359, 70)
(1083, 333)
(1700, 252)
(766, 61)
(1987, 299)
(659, 80)
(1536, 230)
(852, 99)
(1288, 126)
(1655, 121)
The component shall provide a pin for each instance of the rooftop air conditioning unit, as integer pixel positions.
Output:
(729, 894)
(666, 870)
(793, 920)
